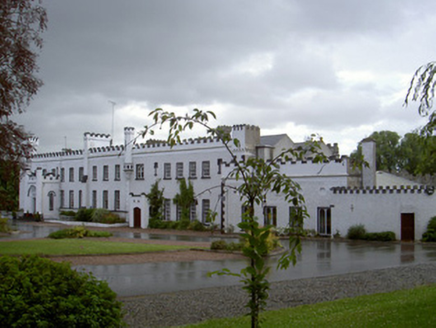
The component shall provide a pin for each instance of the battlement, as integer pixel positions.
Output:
(106, 149)
(242, 127)
(59, 154)
(308, 161)
(95, 140)
(429, 190)
(163, 144)
(97, 135)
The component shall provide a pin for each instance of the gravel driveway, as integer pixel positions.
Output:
(169, 309)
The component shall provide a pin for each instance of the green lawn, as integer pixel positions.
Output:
(78, 247)
(406, 308)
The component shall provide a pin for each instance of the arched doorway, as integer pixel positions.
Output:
(137, 217)
(32, 195)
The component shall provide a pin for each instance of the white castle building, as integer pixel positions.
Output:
(118, 177)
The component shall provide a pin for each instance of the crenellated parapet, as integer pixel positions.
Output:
(95, 140)
(422, 189)
(307, 161)
(186, 142)
(107, 149)
(69, 153)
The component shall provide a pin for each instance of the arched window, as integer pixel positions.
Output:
(51, 195)
(31, 192)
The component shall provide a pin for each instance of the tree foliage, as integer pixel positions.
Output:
(256, 179)
(418, 154)
(37, 292)
(386, 150)
(421, 90)
(9, 183)
(156, 201)
(185, 198)
(414, 153)
(21, 25)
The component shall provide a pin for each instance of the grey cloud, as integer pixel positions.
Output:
(182, 53)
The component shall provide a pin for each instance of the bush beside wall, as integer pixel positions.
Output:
(358, 232)
(430, 233)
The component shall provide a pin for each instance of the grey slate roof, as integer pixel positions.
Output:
(272, 140)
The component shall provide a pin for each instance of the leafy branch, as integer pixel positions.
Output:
(257, 179)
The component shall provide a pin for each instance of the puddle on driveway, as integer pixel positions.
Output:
(318, 258)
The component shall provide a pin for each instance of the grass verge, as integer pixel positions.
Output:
(405, 308)
(62, 247)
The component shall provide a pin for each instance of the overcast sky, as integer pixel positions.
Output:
(337, 68)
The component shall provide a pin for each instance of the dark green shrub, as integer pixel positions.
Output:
(37, 292)
(380, 236)
(111, 218)
(100, 214)
(154, 223)
(218, 245)
(429, 235)
(196, 226)
(432, 224)
(60, 234)
(232, 246)
(99, 234)
(356, 232)
(183, 224)
(172, 225)
(84, 215)
(4, 227)
(38, 217)
(78, 232)
(68, 213)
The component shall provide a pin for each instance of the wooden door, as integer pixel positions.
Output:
(137, 217)
(407, 226)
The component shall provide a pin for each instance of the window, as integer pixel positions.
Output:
(192, 170)
(156, 166)
(219, 162)
(324, 221)
(94, 173)
(71, 174)
(94, 199)
(205, 207)
(167, 171)
(179, 170)
(116, 200)
(80, 199)
(71, 199)
(105, 199)
(62, 198)
(139, 171)
(117, 172)
(178, 213)
(62, 174)
(167, 209)
(105, 173)
(244, 211)
(270, 215)
(51, 196)
(295, 217)
(81, 174)
(205, 169)
(193, 212)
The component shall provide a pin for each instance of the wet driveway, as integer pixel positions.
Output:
(318, 258)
